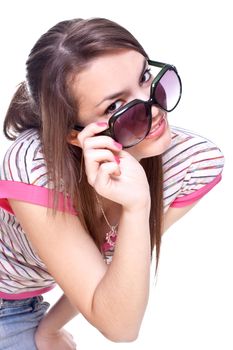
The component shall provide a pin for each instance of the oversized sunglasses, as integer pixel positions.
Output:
(132, 122)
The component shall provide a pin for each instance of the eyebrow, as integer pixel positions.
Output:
(120, 93)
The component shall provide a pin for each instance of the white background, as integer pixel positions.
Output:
(191, 304)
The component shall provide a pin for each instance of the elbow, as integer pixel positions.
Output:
(122, 339)
(123, 336)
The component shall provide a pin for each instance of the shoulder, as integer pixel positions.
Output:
(188, 143)
(189, 147)
(24, 160)
(192, 165)
(24, 175)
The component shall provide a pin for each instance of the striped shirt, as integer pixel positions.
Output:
(192, 165)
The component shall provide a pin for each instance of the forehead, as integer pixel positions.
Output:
(108, 74)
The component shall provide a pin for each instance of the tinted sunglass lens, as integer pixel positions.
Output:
(132, 126)
(168, 90)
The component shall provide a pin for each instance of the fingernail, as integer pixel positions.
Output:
(101, 123)
(118, 145)
(117, 159)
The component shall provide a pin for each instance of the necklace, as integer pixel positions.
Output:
(111, 236)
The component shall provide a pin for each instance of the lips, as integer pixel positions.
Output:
(157, 123)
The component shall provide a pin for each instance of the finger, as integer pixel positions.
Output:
(91, 130)
(101, 142)
(87, 140)
(93, 161)
(105, 176)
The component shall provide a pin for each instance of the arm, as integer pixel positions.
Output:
(49, 333)
(112, 299)
(63, 311)
(122, 296)
(174, 214)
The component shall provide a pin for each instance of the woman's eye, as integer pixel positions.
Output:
(146, 76)
(113, 107)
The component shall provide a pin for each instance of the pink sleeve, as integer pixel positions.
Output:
(193, 197)
(31, 194)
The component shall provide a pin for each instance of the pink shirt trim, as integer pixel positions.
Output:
(193, 197)
(25, 295)
(29, 193)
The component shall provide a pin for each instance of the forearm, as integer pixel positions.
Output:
(121, 297)
(59, 314)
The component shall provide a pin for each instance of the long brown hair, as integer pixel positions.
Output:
(45, 102)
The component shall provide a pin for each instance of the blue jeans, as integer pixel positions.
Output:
(18, 322)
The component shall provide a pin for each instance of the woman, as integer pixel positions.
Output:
(93, 178)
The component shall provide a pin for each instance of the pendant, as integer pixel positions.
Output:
(110, 239)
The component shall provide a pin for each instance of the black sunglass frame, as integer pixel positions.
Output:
(152, 101)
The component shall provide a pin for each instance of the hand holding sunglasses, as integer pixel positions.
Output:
(132, 123)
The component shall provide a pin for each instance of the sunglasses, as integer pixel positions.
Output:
(132, 122)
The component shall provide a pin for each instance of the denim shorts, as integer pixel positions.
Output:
(18, 322)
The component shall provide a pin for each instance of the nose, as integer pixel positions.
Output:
(155, 109)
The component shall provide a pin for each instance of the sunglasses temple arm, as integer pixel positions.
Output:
(106, 132)
(78, 128)
(157, 64)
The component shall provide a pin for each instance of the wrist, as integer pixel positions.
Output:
(137, 214)
(143, 205)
